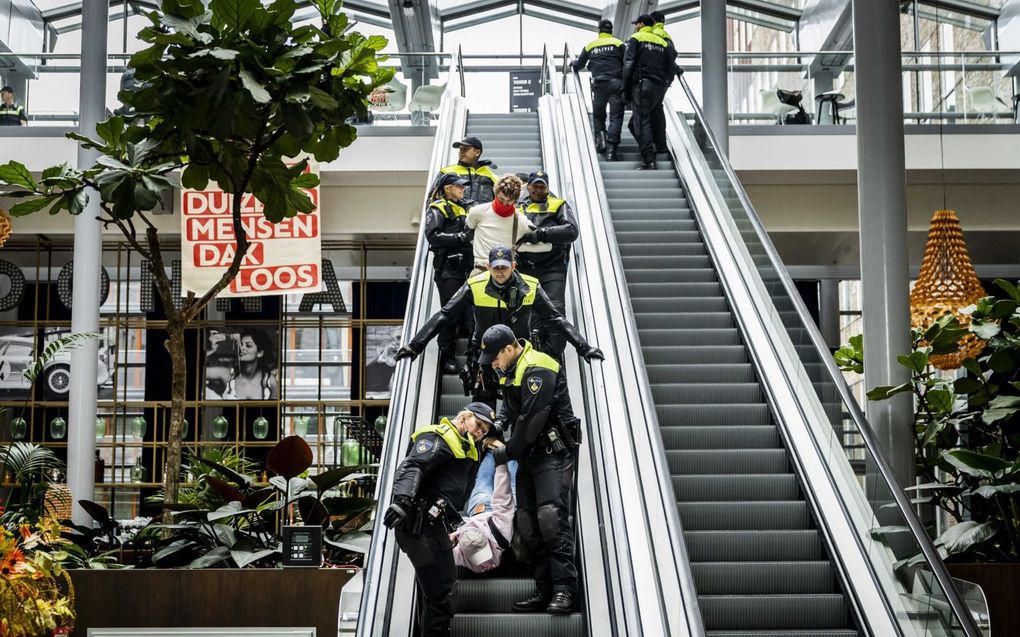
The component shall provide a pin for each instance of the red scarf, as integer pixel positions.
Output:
(502, 209)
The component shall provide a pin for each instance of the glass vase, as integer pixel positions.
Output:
(350, 453)
(138, 472)
(260, 428)
(19, 428)
(220, 424)
(58, 428)
(139, 427)
(100, 427)
(380, 424)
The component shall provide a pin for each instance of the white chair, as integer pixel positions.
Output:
(390, 98)
(770, 104)
(985, 103)
(425, 101)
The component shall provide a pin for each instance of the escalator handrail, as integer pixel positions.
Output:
(628, 343)
(938, 567)
(404, 394)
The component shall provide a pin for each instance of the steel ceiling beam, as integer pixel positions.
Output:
(449, 27)
(474, 8)
(559, 18)
(417, 26)
(574, 9)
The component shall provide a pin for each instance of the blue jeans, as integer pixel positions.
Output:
(485, 483)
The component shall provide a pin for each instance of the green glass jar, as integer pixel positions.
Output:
(58, 428)
(19, 428)
(260, 428)
(100, 427)
(380, 424)
(185, 428)
(350, 453)
(220, 424)
(139, 426)
(138, 472)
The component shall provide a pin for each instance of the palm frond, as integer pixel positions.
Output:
(25, 460)
(69, 342)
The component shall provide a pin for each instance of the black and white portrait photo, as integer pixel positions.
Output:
(242, 363)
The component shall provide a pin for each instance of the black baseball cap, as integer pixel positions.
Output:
(657, 16)
(495, 338)
(501, 256)
(482, 411)
(538, 175)
(605, 26)
(644, 19)
(474, 142)
(453, 179)
(7, 89)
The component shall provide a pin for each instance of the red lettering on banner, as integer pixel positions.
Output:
(218, 254)
(278, 278)
(257, 227)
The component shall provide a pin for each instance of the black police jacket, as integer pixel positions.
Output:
(449, 239)
(482, 186)
(604, 58)
(514, 304)
(535, 396)
(554, 223)
(433, 470)
(646, 58)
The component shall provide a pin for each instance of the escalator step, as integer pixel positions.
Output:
(614, 182)
(717, 373)
(653, 236)
(665, 251)
(624, 224)
(690, 304)
(488, 595)
(680, 336)
(835, 632)
(708, 461)
(749, 516)
(660, 194)
(674, 290)
(518, 625)
(691, 320)
(725, 414)
(715, 487)
(754, 546)
(777, 612)
(668, 275)
(655, 214)
(721, 437)
(756, 578)
(695, 394)
(695, 355)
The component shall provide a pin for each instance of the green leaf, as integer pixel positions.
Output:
(916, 361)
(967, 385)
(356, 541)
(984, 330)
(195, 177)
(174, 549)
(258, 92)
(940, 400)
(972, 366)
(322, 99)
(305, 180)
(234, 13)
(215, 556)
(16, 174)
(246, 558)
(347, 506)
(887, 391)
(965, 535)
(975, 464)
(1002, 361)
(32, 205)
(989, 491)
(1009, 289)
(329, 479)
(296, 119)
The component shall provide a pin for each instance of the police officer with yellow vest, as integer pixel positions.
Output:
(430, 487)
(544, 438)
(481, 178)
(544, 253)
(645, 71)
(500, 296)
(11, 113)
(659, 116)
(450, 242)
(604, 58)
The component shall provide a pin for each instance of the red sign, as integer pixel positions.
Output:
(282, 258)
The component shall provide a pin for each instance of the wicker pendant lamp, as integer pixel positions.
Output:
(5, 228)
(947, 283)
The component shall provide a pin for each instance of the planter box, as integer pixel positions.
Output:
(251, 598)
(1000, 583)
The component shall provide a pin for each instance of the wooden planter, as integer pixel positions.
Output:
(1000, 582)
(163, 598)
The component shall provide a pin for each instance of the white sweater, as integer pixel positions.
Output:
(492, 230)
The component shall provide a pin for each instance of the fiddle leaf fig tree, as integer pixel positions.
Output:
(222, 93)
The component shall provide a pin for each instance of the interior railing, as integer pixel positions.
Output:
(891, 555)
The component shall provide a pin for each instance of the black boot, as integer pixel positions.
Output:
(447, 362)
(537, 603)
(648, 165)
(600, 142)
(614, 153)
(562, 604)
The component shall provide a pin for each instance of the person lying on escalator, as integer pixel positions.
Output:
(480, 542)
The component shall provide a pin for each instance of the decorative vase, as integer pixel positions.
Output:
(99, 468)
(380, 424)
(139, 426)
(302, 426)
(220, 424)
(19, 428)
(100, 427)
(350, 453)
(138, 472)
(58, 428)
(185, 428)
(260, 428)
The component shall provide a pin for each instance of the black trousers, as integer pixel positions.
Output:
(607, 93)
(447, 338)
(432, 556)
(552, 341)
(645, 98)
(545, 518)
(659, 122)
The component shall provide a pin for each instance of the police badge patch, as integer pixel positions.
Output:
(534, 384)
(424, 445)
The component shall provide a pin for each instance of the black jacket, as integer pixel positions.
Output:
(430, 471)
(604, 58)
(534, 397)
(646, 58)
(449, 239)
(514, 304)
(554, 223)
(482, 178)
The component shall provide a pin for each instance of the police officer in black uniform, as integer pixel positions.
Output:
(499, 296)
(479, 172)
(430, 487)
(11, 113)
(556, 225)
(450, 242)
(544, 438)
(645, 69)
(604, 58)
(659, 115)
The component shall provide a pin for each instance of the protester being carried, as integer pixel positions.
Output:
(480, 542)
(497, 223)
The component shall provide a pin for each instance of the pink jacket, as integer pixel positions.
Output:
(502, 515)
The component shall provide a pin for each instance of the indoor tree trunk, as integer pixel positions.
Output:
(178, 385)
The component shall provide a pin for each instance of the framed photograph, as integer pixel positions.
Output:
(18, 350)
(381, 345)
(242, 363)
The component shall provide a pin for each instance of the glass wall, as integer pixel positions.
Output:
(315, 365)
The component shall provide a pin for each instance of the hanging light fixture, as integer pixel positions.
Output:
(6, 228)
(946, 284)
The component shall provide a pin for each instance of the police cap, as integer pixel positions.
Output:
(482, 411)
(644, 19)
(657, 16)
(453, 179)
(539, 176)
(495, 338)
(474, 142)
(500, 256)
(605, 26)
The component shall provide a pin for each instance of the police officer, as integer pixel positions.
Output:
(659, 116)
(645, 68)
(481, 178)
(450, 242)
(604, 58)
(430, 487)
(500, 296)
(545, 434)
(544, 252)
(11, 113)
